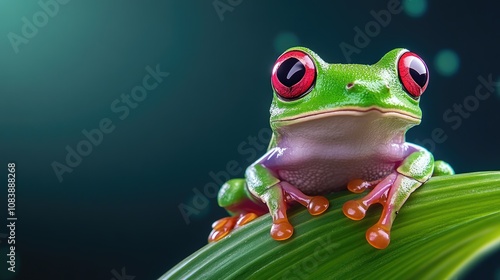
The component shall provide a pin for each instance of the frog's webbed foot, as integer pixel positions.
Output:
(224, 226)
(277, 198)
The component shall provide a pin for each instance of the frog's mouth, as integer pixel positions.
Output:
(354, 111)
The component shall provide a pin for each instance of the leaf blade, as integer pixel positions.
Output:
(431, 238)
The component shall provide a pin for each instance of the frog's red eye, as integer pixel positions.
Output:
(413, 74)
(293, 75)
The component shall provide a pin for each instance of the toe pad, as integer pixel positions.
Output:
(378, 236)
(281, 231)
(318, 205)
(354, 210)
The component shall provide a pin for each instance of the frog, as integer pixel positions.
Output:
(336, 127)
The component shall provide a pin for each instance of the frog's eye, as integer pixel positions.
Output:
(293, 75)
(413, 74)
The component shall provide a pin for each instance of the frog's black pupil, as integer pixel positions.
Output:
(291, 72)
(418, 72)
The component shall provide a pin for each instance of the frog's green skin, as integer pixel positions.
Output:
(348, 130)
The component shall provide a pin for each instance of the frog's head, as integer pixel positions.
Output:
(307, 88)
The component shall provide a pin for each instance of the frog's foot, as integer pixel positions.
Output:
(316, 205)
(224, 226)
(384, 193)
(277, 198)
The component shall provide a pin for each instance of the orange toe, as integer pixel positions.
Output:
(218, 234)
(281, 231)
(354, 210)
(318, 205)
(357, 186)
(221, 222)
(245, 219)
(378, 236)
(221, 228)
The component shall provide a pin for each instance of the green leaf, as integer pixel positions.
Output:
(444, 227)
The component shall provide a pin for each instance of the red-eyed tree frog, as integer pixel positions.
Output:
(336, 126)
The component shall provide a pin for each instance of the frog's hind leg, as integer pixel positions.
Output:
(234, 197)
(442, 168)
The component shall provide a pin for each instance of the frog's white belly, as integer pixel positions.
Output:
(322, 156)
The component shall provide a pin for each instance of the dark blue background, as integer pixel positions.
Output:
(119, 208)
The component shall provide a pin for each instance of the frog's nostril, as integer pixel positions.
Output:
(349, 85)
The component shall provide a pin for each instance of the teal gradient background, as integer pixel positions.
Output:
(120, 206)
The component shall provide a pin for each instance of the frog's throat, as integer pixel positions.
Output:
(352, 111)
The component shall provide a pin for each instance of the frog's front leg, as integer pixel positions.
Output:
(392, 192)
(276, 194)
